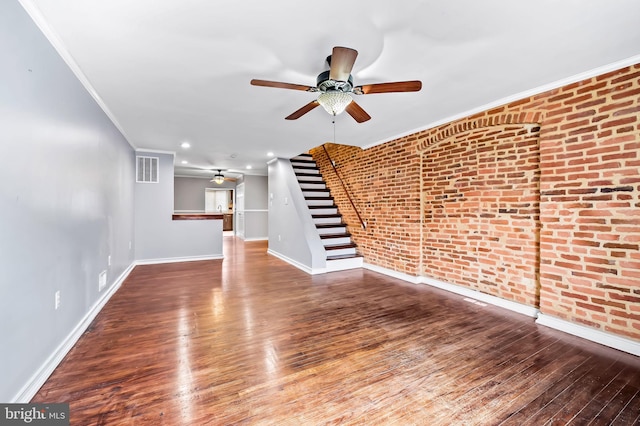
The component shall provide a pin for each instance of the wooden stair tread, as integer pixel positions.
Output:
(343, 256)
(315, 182)
(338, 235)
(319, 198)
(315, 190)
(333, 206)
(325, 216)
(331, 225)
(340, 246)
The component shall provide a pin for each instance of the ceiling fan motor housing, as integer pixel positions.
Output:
(325, 84)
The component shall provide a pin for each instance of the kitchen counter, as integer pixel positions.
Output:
(198, 216)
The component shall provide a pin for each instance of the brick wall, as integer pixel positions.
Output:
(537, 201)
(480, 200)
(387, 199)
(590, 188)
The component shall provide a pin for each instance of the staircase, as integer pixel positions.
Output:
(341, 250)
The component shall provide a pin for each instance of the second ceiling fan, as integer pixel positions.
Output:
(336, 87)
(219, 178)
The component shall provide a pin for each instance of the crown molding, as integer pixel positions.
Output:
(594, 72)
(37, 17)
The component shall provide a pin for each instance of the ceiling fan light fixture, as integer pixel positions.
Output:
(334, 102)
(218, 178)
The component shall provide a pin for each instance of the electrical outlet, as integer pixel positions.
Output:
(57, 300)
(109, 260)
(130, 245)
(279, 237)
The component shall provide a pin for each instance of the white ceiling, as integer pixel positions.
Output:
(168, 71)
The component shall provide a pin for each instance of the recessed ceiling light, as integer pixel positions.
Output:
(269, 154)
(249, 167)
(184, 162)
(185, 145)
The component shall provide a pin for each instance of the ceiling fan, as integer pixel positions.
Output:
(219, 178)
(336, 86)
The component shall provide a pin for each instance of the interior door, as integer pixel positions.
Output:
(240, 210)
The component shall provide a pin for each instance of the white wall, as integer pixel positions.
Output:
(292, 233)
(66, 197)
(255, 213)
(189, 192)
(158, 236)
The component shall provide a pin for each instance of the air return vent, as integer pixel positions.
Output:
(147, 169)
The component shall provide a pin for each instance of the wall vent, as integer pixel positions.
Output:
(147, 169)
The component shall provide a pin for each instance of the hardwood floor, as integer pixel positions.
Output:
(252, 340)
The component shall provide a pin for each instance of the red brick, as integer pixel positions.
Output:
(470, 177)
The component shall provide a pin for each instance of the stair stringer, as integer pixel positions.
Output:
(289, 214)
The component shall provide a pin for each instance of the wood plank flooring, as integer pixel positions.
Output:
(252, 340)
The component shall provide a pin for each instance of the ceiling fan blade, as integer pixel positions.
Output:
(302, 111)
(342, 60)
(398, 86)
(356, 111)
(279, 85)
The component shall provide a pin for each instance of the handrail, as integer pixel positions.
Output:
(346, 191)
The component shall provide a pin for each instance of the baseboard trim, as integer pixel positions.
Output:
(254, 239)
(462, 291)
(295, 263)
(178, 259)
(607, 339)
(38, 379)
(519, 308)
(305, 268)
(391, 273)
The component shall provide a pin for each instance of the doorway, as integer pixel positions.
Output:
(221, 201)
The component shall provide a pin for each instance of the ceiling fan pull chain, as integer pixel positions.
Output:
(333, 120)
